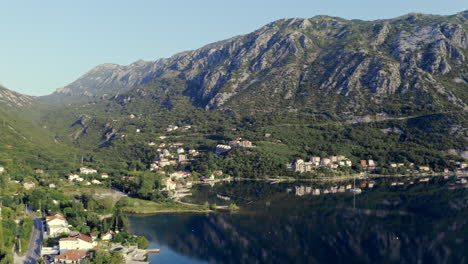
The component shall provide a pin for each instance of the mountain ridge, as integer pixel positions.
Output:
(412, 59)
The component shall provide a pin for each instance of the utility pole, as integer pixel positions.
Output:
(1, 227)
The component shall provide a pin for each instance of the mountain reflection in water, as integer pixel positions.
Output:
(419, 224)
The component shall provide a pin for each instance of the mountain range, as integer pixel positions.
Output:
(397, 66)
(323, 76)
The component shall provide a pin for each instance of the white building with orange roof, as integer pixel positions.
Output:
(169, 184)
(56, 224)
(80, 241)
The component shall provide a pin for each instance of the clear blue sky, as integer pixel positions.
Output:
(48, 44)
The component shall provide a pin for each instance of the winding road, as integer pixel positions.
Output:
(35, 243)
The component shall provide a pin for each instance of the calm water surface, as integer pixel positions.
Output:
(408, 223)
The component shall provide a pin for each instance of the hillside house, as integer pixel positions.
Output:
(74, 177)
(222, 149)
(39, 171)
(2, 169)
(363, 163)
(325, 161)
(56, 225)
(182, 158)
(171, 128)
(95, 181)
(340, 157)
(180, 150)
(166, 153)
(164, 163)
(80, 242)
(424, 168)
(302, 166)
(107, 235)
(193, 152)
(104, 176)
(169, 184)
(29, 185)
(154, 166)
(84, 170)
(94, 235)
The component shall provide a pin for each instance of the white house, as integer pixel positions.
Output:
(95, 181)
(222, 148)
(74, 177)
(84, 170)
(2, 169)
(56, 224)
(80, 241)
(29, 185)
(170, 184)
(107, 235)
(94, 235)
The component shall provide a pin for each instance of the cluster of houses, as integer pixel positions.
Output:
(73, 247)
(171, 128)
(220, 148)
(335, 162)
(77, 178)
(332, 162)
(172, 154)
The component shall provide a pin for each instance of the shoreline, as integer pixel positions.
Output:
(134, 212)
(166, 211)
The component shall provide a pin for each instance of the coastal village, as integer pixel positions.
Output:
(71, 246)
(335, 162)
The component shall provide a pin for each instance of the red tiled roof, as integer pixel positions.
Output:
(79, 236)
(50, 218)
(73, 255)
(84, 238)
(68, 239)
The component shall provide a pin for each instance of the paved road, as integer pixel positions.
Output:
(34, 247)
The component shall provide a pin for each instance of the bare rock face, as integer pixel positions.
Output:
(305, 61)
(13, 99)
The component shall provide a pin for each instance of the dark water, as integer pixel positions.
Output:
(418, 223)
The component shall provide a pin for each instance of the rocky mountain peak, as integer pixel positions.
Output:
(298, 62)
